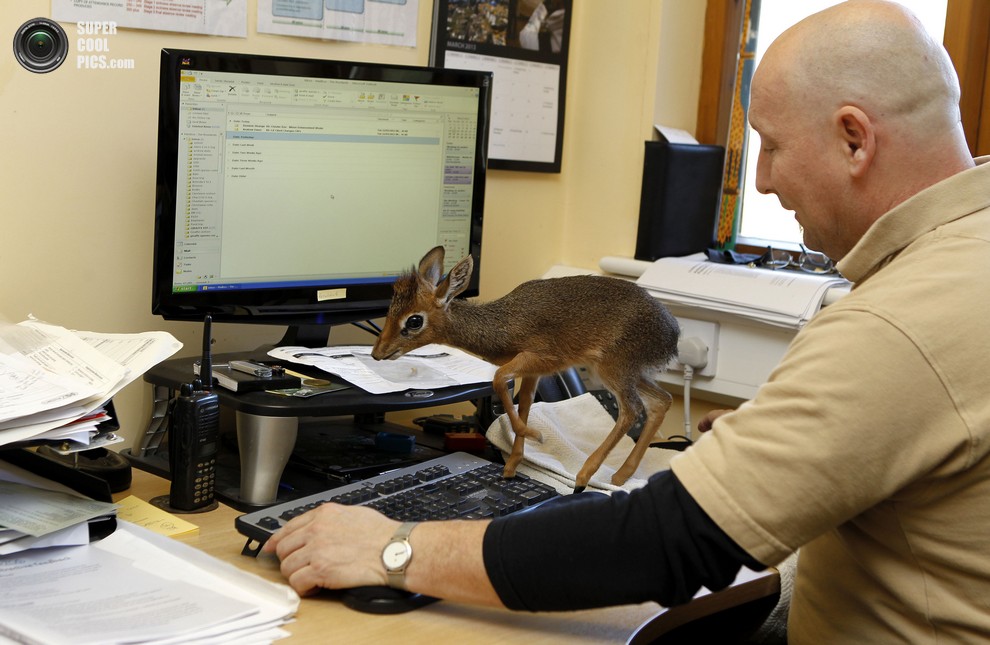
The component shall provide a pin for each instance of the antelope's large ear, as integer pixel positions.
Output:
(431, 266)
(455, 282)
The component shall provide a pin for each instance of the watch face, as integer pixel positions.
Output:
(396, 554)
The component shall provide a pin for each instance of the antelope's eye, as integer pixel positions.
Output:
(414, 322)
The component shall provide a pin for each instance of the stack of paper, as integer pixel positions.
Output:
(783, 298)
(52, 380)
(133, 586)
(137, 587)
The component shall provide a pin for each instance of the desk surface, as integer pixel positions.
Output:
(322, 619)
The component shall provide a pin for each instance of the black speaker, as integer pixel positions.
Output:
(682, 186)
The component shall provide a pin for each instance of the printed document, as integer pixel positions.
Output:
(783, 298)
(38, 513)
(429, 367)
(210, 17)
(51, 376)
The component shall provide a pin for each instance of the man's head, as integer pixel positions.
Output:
(857, 109)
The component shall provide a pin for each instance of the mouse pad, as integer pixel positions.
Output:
(384, 600)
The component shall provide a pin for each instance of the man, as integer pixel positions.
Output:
(869, 446)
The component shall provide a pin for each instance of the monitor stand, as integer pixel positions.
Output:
(306, 336)
(267, 425)
(264, 444)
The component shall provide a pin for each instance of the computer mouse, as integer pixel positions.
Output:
(384, 600)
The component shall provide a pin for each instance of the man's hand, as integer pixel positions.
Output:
(706, 422)
(333, 547)
(340, 547)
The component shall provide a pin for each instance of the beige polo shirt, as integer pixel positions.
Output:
(869, 446)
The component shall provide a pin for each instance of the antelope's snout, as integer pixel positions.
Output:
(385, 350)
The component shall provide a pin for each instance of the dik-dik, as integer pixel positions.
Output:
(540, 328)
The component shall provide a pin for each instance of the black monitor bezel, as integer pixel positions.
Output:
(294, 306)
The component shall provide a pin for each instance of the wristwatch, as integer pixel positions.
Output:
(397, 554)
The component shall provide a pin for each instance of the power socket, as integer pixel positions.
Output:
(707, 332)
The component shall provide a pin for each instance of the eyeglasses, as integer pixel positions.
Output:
(807, 261)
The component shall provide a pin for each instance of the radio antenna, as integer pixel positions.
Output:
(206, 364)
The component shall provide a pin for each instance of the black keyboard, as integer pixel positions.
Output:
(454, 486)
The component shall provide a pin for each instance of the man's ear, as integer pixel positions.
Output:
(859, 143)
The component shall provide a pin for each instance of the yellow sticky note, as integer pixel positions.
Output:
(140, 512)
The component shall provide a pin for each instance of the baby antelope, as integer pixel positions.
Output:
(542, 327)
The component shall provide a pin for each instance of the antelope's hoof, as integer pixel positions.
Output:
(579, 489)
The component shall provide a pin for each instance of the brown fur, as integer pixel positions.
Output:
(540, 328)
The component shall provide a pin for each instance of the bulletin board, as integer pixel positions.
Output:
(524, 43)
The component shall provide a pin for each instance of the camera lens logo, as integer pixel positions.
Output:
(40, 45)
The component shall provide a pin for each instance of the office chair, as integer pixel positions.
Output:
(731, 616)
(560, 386)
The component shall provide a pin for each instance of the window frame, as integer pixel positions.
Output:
(967, 40)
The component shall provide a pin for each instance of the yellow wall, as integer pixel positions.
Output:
(77, 166)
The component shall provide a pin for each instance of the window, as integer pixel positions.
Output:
(966, 37)
(762, 216)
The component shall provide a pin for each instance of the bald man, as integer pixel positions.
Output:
(869, 446)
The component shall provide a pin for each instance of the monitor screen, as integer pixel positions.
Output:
(294, 191)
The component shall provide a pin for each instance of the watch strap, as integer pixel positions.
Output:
(397, 577)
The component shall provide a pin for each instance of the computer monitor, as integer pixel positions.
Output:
(294, 191)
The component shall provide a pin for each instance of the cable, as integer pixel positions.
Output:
(688, 375)
(692, 354)
(368, 326)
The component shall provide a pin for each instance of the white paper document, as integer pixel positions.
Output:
(782, 298)
(211, 17)
(37, 512)
(429, 367)
(136, 587)
(26, 389)
(75, 535)
(51, 376)
(383, 22)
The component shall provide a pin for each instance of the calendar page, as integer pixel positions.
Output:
(524, 46)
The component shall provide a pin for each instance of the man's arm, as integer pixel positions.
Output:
(338, 547)
(578, 551)
(591, 550)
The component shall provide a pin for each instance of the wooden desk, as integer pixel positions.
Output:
(323, 619)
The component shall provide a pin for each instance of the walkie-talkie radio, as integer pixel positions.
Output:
(194, 437)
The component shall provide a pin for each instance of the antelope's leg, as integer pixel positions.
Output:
(527, 366)
(658, 403)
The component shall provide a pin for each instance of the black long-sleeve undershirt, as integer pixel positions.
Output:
(592, 550)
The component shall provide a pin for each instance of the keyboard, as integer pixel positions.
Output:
(453, 486)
